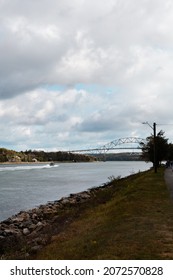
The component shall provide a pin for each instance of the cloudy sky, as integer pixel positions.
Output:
(78, 74)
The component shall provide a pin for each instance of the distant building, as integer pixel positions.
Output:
(15, 159)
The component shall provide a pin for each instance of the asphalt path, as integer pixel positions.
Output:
(169, 180)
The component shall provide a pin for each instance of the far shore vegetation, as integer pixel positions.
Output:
(41, 156)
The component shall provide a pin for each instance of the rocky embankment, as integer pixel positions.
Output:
(28, 231)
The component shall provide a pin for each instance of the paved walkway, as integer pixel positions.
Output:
(169, 180)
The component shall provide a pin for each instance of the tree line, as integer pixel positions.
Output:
(41, 156)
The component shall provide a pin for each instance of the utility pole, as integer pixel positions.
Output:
(155, 146)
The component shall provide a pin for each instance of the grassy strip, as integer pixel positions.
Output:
(131, 220)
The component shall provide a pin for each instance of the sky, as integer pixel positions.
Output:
(79, 74)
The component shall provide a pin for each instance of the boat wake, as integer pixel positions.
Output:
(21, 167)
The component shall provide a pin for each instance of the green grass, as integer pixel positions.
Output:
(131, 220)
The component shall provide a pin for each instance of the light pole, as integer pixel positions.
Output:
(154, 144)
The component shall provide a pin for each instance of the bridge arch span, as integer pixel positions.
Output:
(113, 145)
(127, 140)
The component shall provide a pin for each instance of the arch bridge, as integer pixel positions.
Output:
(115, 145)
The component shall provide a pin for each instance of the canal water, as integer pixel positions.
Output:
(25, 186)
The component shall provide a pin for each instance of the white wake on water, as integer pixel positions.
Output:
(26, 167)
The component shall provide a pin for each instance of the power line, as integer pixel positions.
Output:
(164, 124)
